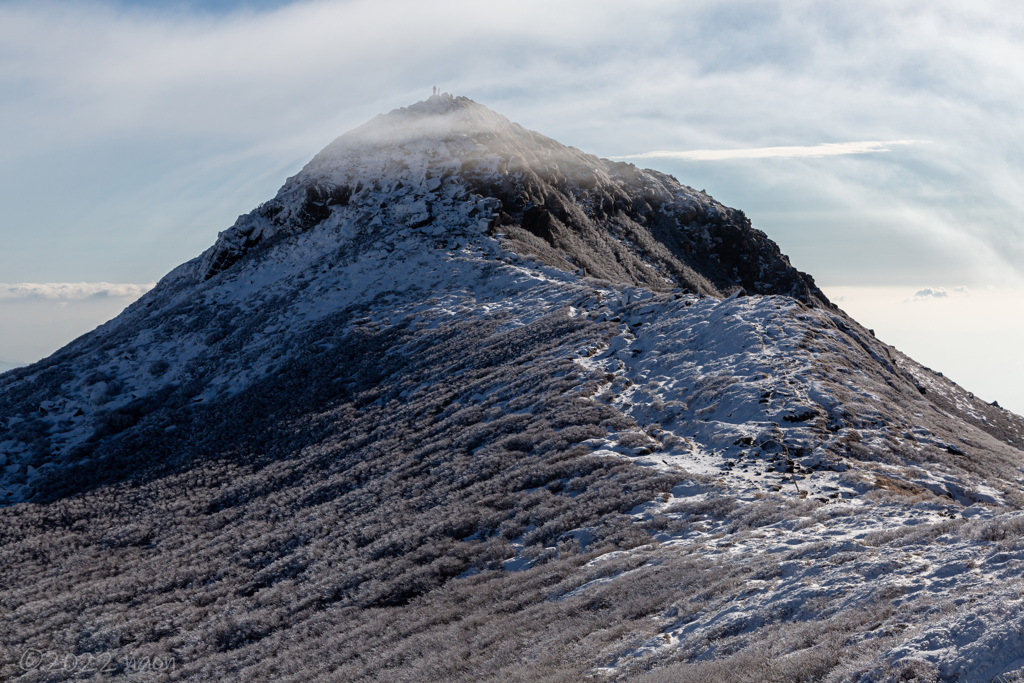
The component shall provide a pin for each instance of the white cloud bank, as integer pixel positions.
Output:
(70, 291)
(827, 149)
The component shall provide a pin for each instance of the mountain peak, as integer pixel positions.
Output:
(448, 167)
(444, 127)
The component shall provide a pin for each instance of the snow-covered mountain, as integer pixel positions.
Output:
(463, 402)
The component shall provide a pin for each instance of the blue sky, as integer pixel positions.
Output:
(135, 131)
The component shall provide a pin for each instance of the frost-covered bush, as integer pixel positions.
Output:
(771, 510)
(1008, 528)
(713, 505)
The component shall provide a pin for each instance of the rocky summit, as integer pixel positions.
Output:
(463, 403)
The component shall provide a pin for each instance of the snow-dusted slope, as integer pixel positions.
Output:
(550, 366)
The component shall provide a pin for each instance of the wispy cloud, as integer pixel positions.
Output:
(826, 149)
(159, 127)
(71, 291)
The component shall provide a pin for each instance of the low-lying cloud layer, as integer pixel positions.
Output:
(70, 291)
(37, 318)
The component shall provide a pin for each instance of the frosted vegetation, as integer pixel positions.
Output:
(461, 403)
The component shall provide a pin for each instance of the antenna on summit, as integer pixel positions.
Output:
(435, 92)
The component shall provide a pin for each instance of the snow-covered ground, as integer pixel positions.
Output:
(942, 583)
